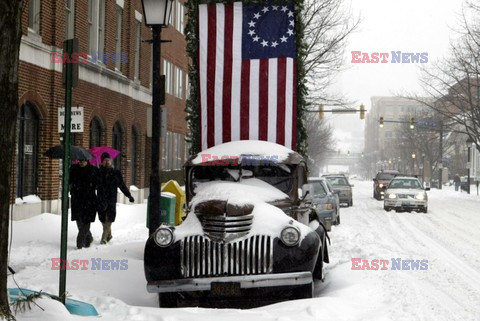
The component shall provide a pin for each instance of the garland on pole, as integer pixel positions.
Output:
(192, 38)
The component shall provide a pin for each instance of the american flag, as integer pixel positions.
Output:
(247, 73)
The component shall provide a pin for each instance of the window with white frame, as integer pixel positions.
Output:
(168, 72)
(187, 87)
(178, 90)
(179, 17)
(118, 36)
(138, 40)
(69, 19)
(34, 15)
(96, 26)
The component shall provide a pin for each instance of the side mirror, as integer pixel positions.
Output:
(307, 192)
(352, 185)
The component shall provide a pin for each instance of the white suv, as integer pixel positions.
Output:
(406, 194)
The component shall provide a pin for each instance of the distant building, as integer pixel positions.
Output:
(114, 90)
(378, 140)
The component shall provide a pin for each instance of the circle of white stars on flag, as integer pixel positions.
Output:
(276, 42)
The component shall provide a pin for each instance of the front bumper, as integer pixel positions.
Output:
(407, 204)
(245, 282)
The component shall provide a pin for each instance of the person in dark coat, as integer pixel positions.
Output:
(457, 182)
(83, 182)
(109, 180)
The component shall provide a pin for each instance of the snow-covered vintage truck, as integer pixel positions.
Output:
(250, 236)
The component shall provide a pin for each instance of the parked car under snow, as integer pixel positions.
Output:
(250, 237)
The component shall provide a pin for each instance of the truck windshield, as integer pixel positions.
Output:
(277, 176)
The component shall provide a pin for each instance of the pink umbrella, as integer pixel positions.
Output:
(99, 150)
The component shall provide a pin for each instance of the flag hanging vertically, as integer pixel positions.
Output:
(247, 73)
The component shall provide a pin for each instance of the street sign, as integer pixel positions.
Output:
(427, 123)
(76, 120)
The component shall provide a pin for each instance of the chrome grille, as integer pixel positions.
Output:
(226, 228)
(202, 257)
(406, 196)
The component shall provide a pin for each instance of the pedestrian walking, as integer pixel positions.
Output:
(457, 182)
(109, 180)
(83, 183)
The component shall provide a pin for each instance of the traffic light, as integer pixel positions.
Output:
(381, 122)
(321, 114)
(412, 123)
(362, 111)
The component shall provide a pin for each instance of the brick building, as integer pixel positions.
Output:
(115, 93)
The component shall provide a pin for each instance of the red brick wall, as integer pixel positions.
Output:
(44, 88)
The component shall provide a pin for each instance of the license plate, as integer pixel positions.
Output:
(225, 289)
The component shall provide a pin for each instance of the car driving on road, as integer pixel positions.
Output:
(381, 181)
(406, 194)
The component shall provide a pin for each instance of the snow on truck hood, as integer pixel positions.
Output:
(267, 219)
(236, 149)
(248, 191)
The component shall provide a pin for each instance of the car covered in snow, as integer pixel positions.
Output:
(406, 194)
(250, 236)
(325, 202)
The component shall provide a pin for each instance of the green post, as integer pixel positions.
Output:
(66, 172)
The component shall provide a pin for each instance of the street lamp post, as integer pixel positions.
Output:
(469, 146)
(157, 16)
(423, 169)
(413, 163)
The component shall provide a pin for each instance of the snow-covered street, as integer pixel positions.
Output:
(449, 289)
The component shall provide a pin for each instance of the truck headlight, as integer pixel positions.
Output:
(392, 195)
(290, 236)
(420, 196)
(163, 236)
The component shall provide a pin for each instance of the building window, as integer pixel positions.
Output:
(96, 129)
(133, 161)
(69, 19)
(28, 127)
(34, 15)
(187, 87)
(178, 82)
(179, 17)
(138, 40)
(118, 37)
(168, 72)
(96, 26)
(117, 143)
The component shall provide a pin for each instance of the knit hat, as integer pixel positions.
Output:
(105, 155)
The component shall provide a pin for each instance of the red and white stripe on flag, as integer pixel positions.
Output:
(241, 99)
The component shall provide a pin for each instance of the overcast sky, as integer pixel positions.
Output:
(409, 26)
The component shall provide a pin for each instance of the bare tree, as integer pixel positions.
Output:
(10, 37)
(327, 27)
(320, 142)
(455, 81)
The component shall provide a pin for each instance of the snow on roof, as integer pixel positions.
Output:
(247, 147)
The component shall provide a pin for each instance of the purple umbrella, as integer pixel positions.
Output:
(99, 150)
